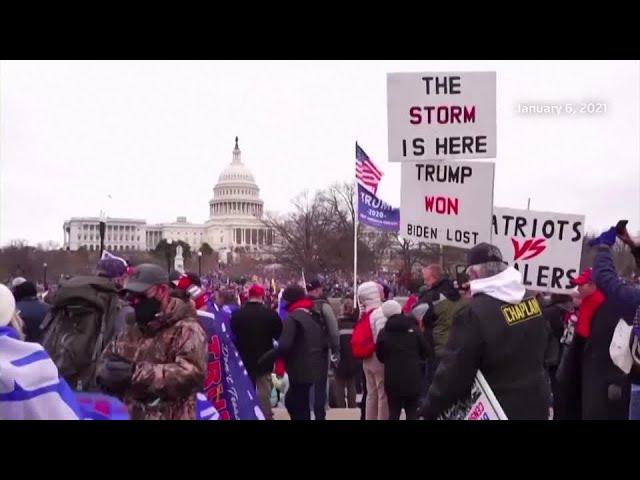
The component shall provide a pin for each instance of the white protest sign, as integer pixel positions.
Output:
(448, 203)
(544, 246)
(441, 115)
(479, 404)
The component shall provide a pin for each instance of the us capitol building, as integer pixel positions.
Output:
(234, 221)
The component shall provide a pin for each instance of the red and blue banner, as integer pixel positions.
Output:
(227, 384)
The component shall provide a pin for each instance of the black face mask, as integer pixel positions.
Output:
(146, 309)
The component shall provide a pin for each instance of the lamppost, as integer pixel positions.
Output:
(169, 256)
(199, 263)
(102, 226)
(44, 280)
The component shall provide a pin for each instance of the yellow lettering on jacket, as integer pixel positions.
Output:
(521, 312)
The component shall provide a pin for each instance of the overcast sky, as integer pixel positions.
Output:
(155, 135)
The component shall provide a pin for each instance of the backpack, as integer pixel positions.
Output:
(362, 344)
(79, 326)
(318, 317)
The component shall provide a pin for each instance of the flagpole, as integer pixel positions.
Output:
(355, 238)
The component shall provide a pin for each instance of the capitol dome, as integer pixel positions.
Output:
(236, 193)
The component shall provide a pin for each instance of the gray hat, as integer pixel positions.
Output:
(484, 253)
(145, 276)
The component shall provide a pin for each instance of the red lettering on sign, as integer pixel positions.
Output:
(214, 347)
(476, 412)
(214, 372)
(529, 249)
(442, 205)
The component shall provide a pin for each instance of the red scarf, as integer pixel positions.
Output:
(280, 366)
(304, 303)
(410, 303)
(588, 308)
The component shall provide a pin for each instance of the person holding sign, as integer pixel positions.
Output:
(502, 334)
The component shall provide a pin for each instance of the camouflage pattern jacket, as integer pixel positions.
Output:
(170, 360)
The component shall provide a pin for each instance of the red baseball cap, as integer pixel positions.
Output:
(256, 291)
(582, 279)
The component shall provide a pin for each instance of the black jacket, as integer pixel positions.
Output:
(509, 349)
(302, 345)
(403, 350)
(255, 327)
(348, 367)
(606, 389)
(554, 314)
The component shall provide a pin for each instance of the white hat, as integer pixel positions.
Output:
(7, 306)
(391, 308)
(17, 281)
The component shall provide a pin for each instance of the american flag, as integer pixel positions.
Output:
(367, 174)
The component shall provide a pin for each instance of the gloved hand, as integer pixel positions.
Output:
(335, 359)
(607, 238)
(614, 392)
(115, 374)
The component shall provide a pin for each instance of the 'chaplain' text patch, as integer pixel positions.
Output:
(525, 310)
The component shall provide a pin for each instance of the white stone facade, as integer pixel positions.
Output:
(120, 234)
(234, 221)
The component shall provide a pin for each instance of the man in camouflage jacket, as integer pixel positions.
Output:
(158, 364)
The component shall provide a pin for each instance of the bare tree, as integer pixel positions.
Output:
(318, 235)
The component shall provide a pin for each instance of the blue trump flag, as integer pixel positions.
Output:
(376, 213)
(227, 384)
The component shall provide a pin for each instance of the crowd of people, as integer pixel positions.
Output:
(172, 345)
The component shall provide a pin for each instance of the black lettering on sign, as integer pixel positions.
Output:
(521, 312)
(444, 173)
(557, 274)
(443, 85)
(457, 145)
(576, 229)
(542, 276)
(520, 222)
(525, 273)
(546, 231)
(571, 275)
(562, 223)
(417, 144)
(422, 231)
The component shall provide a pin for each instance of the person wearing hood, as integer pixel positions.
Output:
(402, 349)
(501, 333)
(370, 295)
(32, 311)
(301, 346)
(158, 364)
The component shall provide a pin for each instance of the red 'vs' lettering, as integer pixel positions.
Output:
(533, 246)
